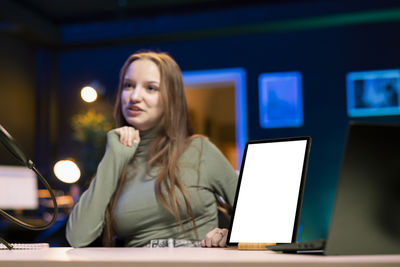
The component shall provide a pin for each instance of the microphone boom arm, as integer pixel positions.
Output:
(13, 147)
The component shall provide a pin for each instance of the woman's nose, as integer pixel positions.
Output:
(136, 94)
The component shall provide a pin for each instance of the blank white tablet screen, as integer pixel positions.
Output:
(269, 190)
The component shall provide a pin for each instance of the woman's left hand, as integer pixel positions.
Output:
(215, 238)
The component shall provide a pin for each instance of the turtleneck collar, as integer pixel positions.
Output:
(146, 137)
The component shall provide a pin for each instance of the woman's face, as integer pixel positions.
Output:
(140, 97)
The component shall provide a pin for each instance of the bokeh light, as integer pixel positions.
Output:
(88, 94)
(67, 171)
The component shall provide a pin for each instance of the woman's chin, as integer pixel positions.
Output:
(138, 126)
(141, 126)
(134, 124)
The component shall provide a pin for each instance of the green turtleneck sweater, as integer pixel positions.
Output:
(138, 215)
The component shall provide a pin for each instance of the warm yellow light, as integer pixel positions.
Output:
(67, 171)
(89, 94)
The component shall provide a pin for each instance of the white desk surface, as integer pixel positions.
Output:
(193, 257)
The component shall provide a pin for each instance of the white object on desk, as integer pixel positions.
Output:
(26, 246)
(18, 188)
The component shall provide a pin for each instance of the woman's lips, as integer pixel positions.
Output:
(134, 110)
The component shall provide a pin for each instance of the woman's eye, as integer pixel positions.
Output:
(152, 88)
(128, 85)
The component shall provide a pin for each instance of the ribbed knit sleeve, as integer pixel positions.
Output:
(221, 176)
(86, 220)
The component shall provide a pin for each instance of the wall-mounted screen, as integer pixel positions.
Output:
(280, 100)
(373, 93)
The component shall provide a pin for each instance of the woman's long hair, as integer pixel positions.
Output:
(169, 144)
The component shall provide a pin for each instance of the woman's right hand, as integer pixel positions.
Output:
(128, 135)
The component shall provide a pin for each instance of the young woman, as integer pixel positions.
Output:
(156, 179)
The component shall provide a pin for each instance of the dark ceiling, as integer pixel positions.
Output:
(81, 11)
(42, 21)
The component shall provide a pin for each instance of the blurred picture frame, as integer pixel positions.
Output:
(373, 93)
(280, 99)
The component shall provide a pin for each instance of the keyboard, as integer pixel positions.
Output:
(26, 246)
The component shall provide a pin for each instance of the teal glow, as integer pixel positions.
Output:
(238, 77)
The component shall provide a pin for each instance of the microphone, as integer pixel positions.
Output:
(8, 141)
(12, 146)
